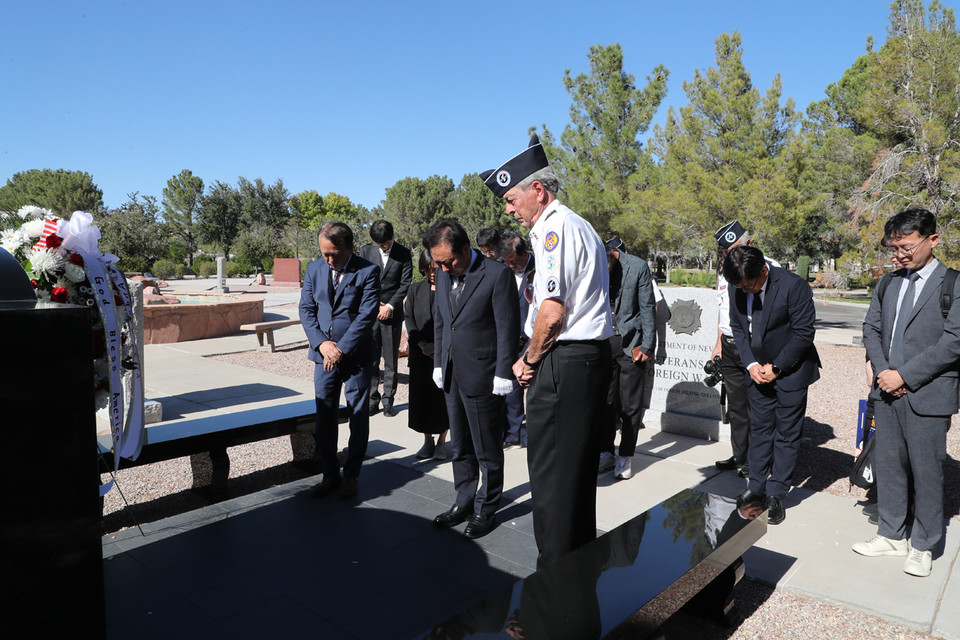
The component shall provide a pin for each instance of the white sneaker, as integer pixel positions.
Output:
(624, 468)
(918, 563)
(880, 546)
(607, 462)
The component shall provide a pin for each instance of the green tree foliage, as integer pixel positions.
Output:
(133, 232)
(219, 217)
(310, 211)
(263, 207)
(600, 156)
(60, 190)
(721, 160)
(181, 207)
(264, 214)
(476, 207)
(307, 211)
(910, 100)
(413, 204)
(830, 157)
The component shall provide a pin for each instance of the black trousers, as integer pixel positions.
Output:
(738, 404)
(624, 401)
(564, 418)
(386, 338)
(475, 427)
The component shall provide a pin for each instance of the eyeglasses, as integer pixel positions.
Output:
(906, 251)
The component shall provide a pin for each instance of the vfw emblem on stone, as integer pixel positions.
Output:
(685, 317)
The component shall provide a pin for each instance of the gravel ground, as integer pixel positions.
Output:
(826, 455)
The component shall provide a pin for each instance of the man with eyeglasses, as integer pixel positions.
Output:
(915, 353)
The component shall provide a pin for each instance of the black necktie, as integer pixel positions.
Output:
(455, 293)
(897, 358)
(755, 318)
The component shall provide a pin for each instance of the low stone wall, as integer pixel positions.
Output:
(166, 323)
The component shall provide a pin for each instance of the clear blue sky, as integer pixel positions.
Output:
(353, 96)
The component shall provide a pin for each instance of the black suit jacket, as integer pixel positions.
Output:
(784, 333)
(395, 276)
(478, 340)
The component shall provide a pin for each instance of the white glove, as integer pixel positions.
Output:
(502, 386)
(438, 377)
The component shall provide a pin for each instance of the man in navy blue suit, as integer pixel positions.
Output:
(476, 332)
(338, 306)
(772, 316)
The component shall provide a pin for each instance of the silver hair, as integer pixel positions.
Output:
(546, 176)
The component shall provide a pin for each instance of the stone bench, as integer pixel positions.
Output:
(627, 582)
(266, 329)
(206, 440)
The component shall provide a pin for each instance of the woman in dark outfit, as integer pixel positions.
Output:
(427, 413)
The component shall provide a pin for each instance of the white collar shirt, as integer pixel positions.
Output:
(571, 268)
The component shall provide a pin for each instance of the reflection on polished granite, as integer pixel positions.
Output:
(626, 583)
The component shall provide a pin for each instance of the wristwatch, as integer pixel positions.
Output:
(528, 363)
(776, 370)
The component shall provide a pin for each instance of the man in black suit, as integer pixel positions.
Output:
(772, 316)
(338, 306)
(476, 331)
(914, 351)
(512, 249)
(396, 274)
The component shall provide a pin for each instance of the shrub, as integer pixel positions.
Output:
(164, 269)
(678, 277)
(133, 265)
(234, 269)
(205, 269)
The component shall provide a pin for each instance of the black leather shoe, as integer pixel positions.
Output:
(744, 471)
(777, 513)
(453, 517)
(373, 407)
(348, 489)
(480, 525)
(727, 465)
(326, 487)
(749, 496)
(388, 409)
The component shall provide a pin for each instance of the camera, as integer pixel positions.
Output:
(712, 369)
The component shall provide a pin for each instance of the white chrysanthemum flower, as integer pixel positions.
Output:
(46, 262)
(32, 228)
(30, 212)
(11, 239)
(74, 272)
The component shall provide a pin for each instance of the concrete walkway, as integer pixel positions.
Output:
(809, 555)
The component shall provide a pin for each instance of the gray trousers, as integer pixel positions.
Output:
(909, 445)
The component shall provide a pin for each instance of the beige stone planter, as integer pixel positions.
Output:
(218, 315)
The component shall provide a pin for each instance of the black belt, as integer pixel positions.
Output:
(728, 339)
(563, 343)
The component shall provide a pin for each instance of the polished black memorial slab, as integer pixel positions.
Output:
(50, 535)
(626, 583)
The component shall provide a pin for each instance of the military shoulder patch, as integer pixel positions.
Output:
(551, 241)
